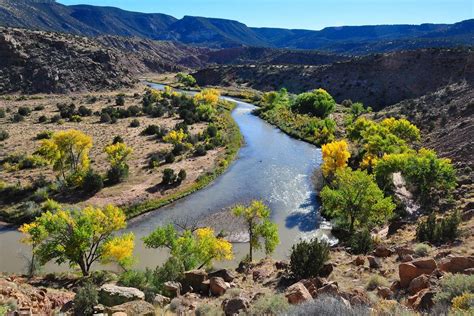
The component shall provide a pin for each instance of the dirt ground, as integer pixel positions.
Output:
(142, 182)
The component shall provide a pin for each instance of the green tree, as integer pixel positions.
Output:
(257, 219)
(194, 248)
(318, 103)
(186, 79)
(80, 237)
(355, 200)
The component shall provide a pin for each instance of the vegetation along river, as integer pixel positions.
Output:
(270, 166)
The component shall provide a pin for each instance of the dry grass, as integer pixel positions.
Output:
(142, 182)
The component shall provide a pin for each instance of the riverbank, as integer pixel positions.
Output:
(231, 150)
(23, 187)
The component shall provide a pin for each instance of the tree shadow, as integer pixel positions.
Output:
(308, 220)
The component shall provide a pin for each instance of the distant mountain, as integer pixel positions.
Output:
(219, 33)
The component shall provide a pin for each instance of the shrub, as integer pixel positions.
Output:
(120, 100)
(276, 304)
(2, 113)
(76, 119)
(169, 158)
(318, 103)
(16, 118)
(179, 149)
(151, 130)
(181, 176)
(24, 111)
(207, 309)
(42, 119)
(169, 177)
(134, 110)
(39, 108)
(83, 111)
(44, 135)
(105, 118)
(464, 302)
(200, 151)
(3, 135)
(135, 123)
(92, 182)
(85, 299)
(133, 278)
(453, 285)
(55, 118)
(31, 162)
(422, 250)
(307, 258)
(376, 281)
(361, 242)
(117, 139)
(211, 130)
(66, 111)
(442, 230)
(117, 174)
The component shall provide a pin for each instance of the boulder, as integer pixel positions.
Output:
(161, 300)
(422, 301)
(329, 288)
(358, 296)
(418, 284)
(359, 261)
(218, 286)
(111, 294)
(469, 271)
(312, 285)
(226, 274)
(193, 281)
(326, 270)
(141, 308)
(456, 264)
(410, 270)
(173, 288)
(404, 251)
(382, 251)
(374, 263)
(260, 274)
(235, 305)
(384, 292)
(297, 294)
(406, 258)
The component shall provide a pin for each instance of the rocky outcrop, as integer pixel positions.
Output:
(218, 286)
(139, 307)
(33, 300)
(410, 270)
(456, 264)
(112, 295)
(235, 305)
(297, 294)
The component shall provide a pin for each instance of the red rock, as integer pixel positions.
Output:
(297, 294)
(456, 264)
(359, 261)
(235, 305)
(410, 270)
(382, 251)
(330, 288)
(384, 292)
(218, 286)
(424, 300)
(374, 263)
(418, 284)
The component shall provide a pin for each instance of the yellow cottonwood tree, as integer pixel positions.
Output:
(68, 151)
(207, 96)
(80, 237)
(335, 157)
(175, 137)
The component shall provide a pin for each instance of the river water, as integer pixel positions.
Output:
(270, 166)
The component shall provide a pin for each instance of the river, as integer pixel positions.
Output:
(271, 166)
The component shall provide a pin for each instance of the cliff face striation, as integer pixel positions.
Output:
(376, 80)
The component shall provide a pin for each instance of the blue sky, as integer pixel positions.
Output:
(308, 14)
